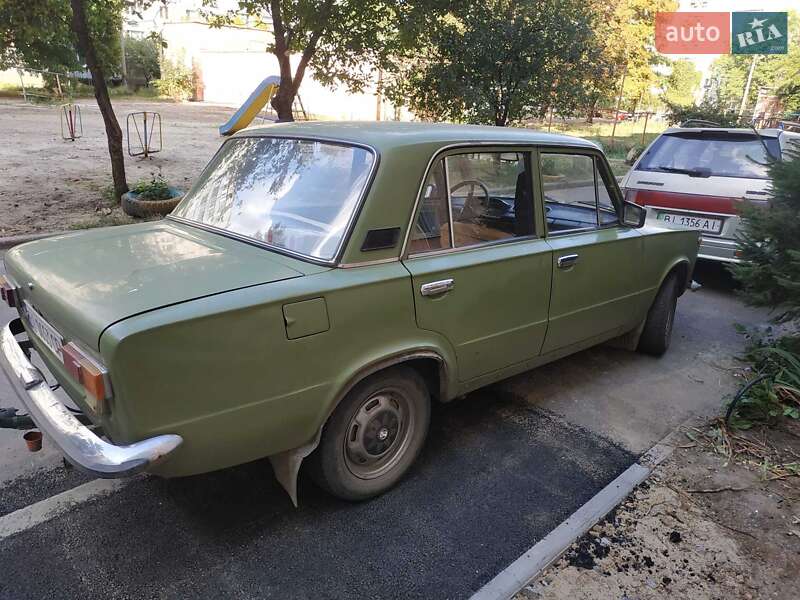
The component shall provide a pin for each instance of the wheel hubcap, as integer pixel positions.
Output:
(377, 435)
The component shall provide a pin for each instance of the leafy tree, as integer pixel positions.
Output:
(38, 34)
(635, 39)
(63, 35)
(88, 46)
(142, 57)
(343, 41)
(681, 84)
(497, 62)
(770, 271)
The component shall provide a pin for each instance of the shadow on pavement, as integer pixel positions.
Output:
(496, 476)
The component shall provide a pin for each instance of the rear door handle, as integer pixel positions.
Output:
(436, 288)
(566, 261)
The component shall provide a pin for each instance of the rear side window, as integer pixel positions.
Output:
(704, 153)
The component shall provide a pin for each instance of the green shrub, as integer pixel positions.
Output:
(175, 82)
(778, 395)
(705, 112)
(155, 188)
(770, 244)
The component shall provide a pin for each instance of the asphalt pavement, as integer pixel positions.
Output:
(501, 469)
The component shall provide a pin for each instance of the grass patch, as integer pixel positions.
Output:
(777, 395)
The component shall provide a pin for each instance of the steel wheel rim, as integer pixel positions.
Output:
(378, 434)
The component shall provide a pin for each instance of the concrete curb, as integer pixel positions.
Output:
(15, 240)
(531, 564)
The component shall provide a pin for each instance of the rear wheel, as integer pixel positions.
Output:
(374, 435)
(657, 331)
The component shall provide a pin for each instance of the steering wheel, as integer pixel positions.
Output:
(471, 203)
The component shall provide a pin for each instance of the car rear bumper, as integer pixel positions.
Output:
(718, 249)
(79, 444)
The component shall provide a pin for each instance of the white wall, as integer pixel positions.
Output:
(232, 61)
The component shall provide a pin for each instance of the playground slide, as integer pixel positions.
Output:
(252, 106)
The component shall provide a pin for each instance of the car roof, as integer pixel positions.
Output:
(745, 130)
(395, 134)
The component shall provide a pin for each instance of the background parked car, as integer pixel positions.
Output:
(697, 178)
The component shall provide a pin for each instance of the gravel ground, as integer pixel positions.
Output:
(50, 184)
(703, 527)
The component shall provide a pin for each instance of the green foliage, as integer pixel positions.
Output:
(155, 188)
(496, 62)
(770, 270)
(706, 111)
(681, 84)
(176, 81)
(38, 34)
(142, 57)
(777, 396)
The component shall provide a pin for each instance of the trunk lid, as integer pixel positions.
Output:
(84, 282)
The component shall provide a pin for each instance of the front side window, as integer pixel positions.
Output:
(474, 198)
(298, 195)
(576, 194)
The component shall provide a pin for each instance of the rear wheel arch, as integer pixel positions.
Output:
(428, 363)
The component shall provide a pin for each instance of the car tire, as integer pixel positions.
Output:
(657, 331)
(374, 435)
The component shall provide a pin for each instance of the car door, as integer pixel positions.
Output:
(480, 273)
(597, 288)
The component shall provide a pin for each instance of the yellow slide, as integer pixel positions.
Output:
(252, 106)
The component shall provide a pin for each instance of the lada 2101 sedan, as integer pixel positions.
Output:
(320, 286)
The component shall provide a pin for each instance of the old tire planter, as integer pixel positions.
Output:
(134, 206)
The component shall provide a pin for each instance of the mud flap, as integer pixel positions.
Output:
(286, 465)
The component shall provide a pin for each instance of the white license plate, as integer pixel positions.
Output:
(43, 330)
(690, 222)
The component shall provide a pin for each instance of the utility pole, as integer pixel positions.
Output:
(747, 85)
(379, 96)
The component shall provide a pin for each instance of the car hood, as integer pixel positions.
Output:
(84, 282)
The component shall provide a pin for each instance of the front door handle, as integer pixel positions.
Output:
(566, 261)
(436, 288)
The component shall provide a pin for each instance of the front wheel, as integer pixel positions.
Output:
(657, 332)
(374, 435)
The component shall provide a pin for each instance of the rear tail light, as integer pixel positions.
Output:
(692, 202)
(91, 375)
(8, 292)
(633, 196)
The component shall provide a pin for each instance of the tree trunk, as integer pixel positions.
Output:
(113, 131)
(592, 109)
(283, 100)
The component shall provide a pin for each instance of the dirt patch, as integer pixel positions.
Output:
(706, 525)
(50, 184)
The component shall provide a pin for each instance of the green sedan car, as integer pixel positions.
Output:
(320, 286)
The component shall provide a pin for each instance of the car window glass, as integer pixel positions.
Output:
(607, 211)
(299, 195)
(431, 230)
(490, 195)
(708, 153)
(568, 181)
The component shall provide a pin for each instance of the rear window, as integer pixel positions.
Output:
(703, 154)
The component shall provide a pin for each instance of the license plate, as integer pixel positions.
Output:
(677, 220)
(43, 330)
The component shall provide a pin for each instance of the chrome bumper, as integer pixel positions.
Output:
(78, 443)
(718, 249)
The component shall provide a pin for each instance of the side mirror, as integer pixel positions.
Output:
(633, 215)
